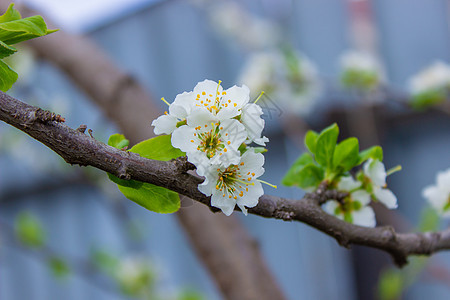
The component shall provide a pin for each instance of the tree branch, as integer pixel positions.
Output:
(76, 147)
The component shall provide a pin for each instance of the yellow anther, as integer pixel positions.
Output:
(225, 150)
(242, 163)
(203, 93)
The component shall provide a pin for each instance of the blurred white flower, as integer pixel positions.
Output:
(233, 21)
(134, 275)
(354, 208)
(360, 70)
(289, 78)
(435, 76)
(439, 195)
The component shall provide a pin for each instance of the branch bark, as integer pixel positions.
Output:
(129, 105)
(77, 148)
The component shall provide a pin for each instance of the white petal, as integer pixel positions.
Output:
(183, 138)
(374, 169)
(437, 198)
(227, 113)
(234, 132)
(253, 163)
(330, 207)
(238, 95)
(361, 196)
(231, 157)
(443, 180)
(165, 124)
(182, 105)
(201, 116)
(251, 198)
(364, 217)
(386, 197)
(208, 86)
(347, 183)
(224, 203)
(251, 118)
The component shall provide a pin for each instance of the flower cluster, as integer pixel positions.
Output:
(430, 86)
(369, 184)
(214, 126)
(289, 75)
(439, 195)
(360, 70)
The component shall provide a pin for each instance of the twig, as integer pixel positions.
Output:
(77, 148)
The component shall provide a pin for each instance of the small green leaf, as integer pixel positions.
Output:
(29, 230)
(260, 150)
(59, 267)
(326, 143)
(309, 176)
(11, 14)
(17, 31)
(118, 141)
(311, 140)
(390, 285)
(104, 261)
(158, 148)
(303, 160)
(6, 50)
(375, 152)
(346, 154)
(7, 77)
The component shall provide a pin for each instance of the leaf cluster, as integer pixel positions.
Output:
(15, 29)
(326, 159)
(152, 197)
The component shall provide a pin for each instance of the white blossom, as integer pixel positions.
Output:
(353, 208)
(439, 195)
(209, 141)
(290, 78)
(236, 184)
(134, 275)
(375, 173)
(435, 76)
(364, 68)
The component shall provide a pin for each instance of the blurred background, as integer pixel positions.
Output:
(67, 232)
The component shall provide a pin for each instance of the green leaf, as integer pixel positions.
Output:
(118, 141)
(29, 230)
(158, 148)
(346, 154)
(390, 285)
(429, 220)
(11, 14)
(7, 77)
(375, 152)
(59, 267)
(17, 31)
(152, 197)
(260, 150)
(311, 140)
(309, 176)
(6, 50)
(303, 160)
(326, 143)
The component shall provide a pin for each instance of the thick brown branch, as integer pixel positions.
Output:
(78, 148)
